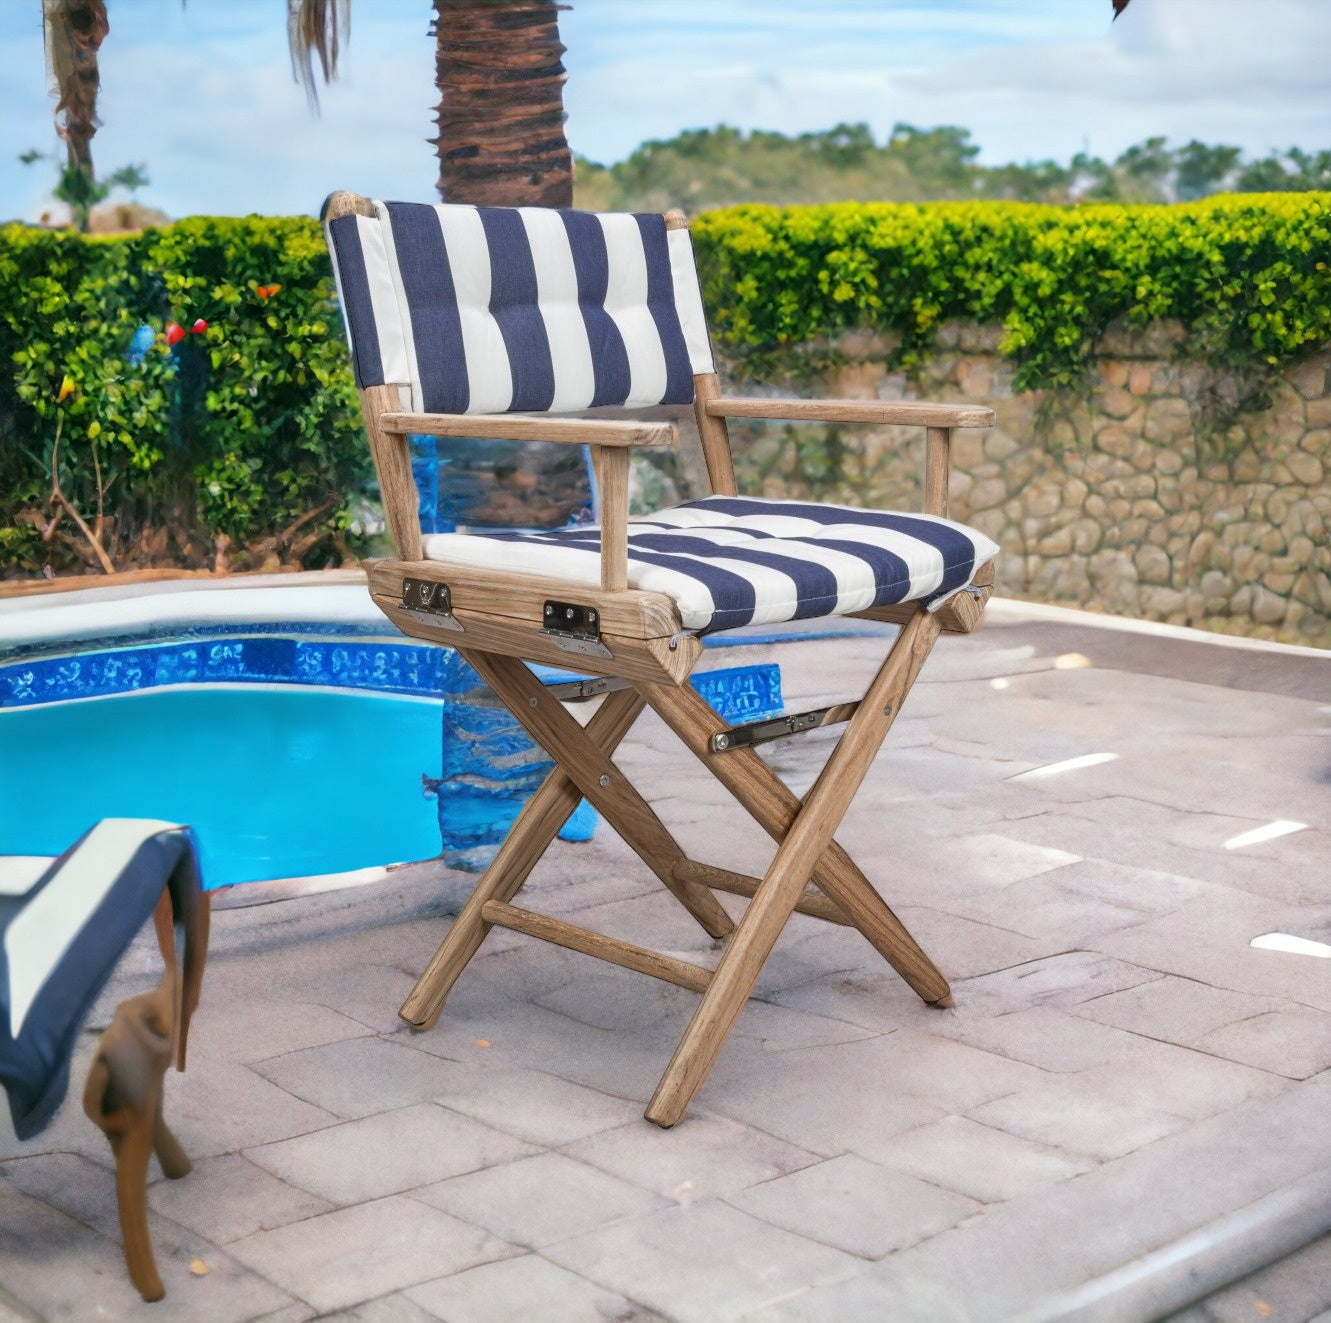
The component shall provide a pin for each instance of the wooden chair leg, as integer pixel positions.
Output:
(123, 1098)
(530, 836)
(774, 902)
(195, 915)
(775, 807)
(123, 1092)
(599, 779)
(171, 1157)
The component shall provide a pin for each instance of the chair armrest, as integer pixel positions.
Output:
(520, 427)
(609, 440)
(853, 411)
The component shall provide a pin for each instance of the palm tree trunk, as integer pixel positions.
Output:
(75, 30)
(501, 111)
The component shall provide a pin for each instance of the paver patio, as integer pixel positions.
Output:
(1121, 1070)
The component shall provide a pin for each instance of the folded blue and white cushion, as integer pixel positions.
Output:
(728, 561)
(64, 923)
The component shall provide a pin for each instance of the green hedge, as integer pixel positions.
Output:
(245, 428)
(1248, 275)
(251, 427)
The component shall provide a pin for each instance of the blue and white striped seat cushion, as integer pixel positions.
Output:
(731, 560)
(64, 923)
(493, 309)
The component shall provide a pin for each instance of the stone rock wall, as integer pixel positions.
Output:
(1118, 507)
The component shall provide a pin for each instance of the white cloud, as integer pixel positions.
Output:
(1030, 78)
(203, 94)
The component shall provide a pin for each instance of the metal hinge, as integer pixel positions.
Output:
(429, 603)
(574, 628)
(582, 691)
(760, 732)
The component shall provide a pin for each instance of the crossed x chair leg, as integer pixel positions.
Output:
(581, 767)
(806, 851)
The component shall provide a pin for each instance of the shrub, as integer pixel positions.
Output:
(1247, 275)
(247, 432)
(248, 428)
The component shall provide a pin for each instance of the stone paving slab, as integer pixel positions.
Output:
(386, 1153)
(537, 1201)
(1121, 1068)
(1298, 1287)
(523, 1287)
(62, 1269)
(987, 1270)
(339, 1259)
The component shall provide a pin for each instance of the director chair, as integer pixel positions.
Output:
(485, 322)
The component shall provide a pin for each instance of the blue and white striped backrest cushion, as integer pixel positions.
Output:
(495, 309)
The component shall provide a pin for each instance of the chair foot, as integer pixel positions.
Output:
(173, 1159)
(123, 1098)
(943, 1003)
(665, 1116)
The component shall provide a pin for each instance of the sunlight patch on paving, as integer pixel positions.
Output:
(1291, 945)
(1067, 765)
(1267, 832)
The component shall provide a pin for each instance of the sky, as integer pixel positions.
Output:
(202, 92)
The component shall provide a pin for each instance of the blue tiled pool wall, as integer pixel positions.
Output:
(384, 666)
(255, 655)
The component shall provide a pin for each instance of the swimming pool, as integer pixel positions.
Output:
(288, 722)
(276, 781)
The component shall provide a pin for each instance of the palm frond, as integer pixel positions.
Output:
(316, 29)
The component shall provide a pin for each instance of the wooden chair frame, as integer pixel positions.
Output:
(122, 1094)
(498, 620)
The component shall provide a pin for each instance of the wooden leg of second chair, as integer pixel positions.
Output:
(534, 828)
(774, 902)
(123, 1098)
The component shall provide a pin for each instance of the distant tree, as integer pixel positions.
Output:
(940, 157)
(847, 146)
(1296, 171)
(131, 177)
(1093, 180)
(1034, 181)
(81, 190)
(1142, 172)
(1312, 170)
(1200, 169)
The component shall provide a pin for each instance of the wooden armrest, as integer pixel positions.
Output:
(521, 427)
(854, 411)
(608, 438)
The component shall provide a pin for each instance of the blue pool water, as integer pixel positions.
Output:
(288, 724)
(277, 782)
